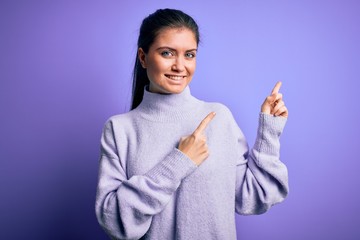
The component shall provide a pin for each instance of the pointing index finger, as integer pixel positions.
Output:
(276, 88)
(204, 123)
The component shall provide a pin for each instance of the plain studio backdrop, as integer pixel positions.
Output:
(65, 68)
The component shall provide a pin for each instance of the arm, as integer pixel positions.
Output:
(125, 207)
(262, 179)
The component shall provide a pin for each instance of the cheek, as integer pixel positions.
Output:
(156, 69)
(192, 67)
(159, 65)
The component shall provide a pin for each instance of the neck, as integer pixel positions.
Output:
(167, 107)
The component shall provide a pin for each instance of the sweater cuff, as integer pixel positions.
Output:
(268, 135)
(272, 124)
(175, 167)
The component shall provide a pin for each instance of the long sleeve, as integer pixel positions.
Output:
(125, 207)
(262, 179)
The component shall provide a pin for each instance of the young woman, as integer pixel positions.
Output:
(176, 167)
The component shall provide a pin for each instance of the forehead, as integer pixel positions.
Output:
(177, 38)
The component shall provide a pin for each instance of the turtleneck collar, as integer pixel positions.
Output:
(167, 107)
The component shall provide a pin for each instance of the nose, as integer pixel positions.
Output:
(179, 64)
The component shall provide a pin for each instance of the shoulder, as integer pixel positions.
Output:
(220, 109)
(121, 120)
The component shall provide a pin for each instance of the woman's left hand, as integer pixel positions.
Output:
(274, 104)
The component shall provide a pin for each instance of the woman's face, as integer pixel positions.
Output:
(171, 60)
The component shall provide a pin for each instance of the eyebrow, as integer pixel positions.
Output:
(172, 49)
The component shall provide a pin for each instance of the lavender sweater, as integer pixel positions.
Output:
(149, 189)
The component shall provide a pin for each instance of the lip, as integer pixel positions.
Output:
(175, 78)
(174, 75)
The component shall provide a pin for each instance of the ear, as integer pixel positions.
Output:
(142, 57)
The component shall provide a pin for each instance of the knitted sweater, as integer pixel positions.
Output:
(149, 189)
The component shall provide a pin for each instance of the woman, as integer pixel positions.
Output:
(170, 168)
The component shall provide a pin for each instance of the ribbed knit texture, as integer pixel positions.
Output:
(149, 189)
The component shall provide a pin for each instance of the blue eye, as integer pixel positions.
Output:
(166, 54)
(190, 55)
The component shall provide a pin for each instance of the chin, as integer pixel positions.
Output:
(169, 88)
(176, 89)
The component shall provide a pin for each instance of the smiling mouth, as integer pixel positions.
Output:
(175, 77)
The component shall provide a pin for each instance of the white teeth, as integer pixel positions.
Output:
(174, 77)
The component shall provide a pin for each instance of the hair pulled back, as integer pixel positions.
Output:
(149, 30)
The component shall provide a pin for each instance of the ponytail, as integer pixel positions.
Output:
(140, 80)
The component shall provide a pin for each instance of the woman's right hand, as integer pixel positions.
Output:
(194, 146)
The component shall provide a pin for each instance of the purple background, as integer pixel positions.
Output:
(65, 67)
